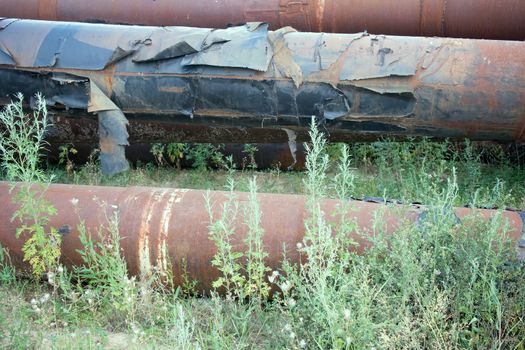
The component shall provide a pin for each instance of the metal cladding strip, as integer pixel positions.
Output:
(161, 227)
(484, 19)
(246, 84)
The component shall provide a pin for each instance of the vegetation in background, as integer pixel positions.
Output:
(64, 157)
(439, 283)
(248, 162)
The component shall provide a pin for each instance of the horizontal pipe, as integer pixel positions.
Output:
(248, 84)
(483, 19)
(161, 227)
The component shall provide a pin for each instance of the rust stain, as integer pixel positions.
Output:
(47, 9)
(455, 18)
(174, 89)
(319, 6)
(188, 236)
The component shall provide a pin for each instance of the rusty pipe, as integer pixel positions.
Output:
(248, 84)
(161, 226)
(476, 19)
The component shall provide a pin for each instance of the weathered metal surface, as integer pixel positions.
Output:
(486, 19)
(246, 84)
(161, 227)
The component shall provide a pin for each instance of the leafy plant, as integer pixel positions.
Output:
(255, 255)
(205, 155)
(63, 157)
(104, 270)
(249, 150)
(221, 231)
(243, 272)
(22, 140)
(158, 149)
(42, 246)
(7, 271)
(176, 153)
(21, 144)
(436, 284)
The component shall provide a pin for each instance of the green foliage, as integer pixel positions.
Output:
(21, 143)
(63, 157)
(206, 155)
(440, 283)
(22, 140)
(256, 269)
(42, 246)
(7, 271)
(436, 284)
(176, 152)
(158, 149)
(243, 272)
(249, 150)
(104, 270)
(227, 260)
(189, 286)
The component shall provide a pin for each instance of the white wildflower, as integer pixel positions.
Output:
(286, 286)
(302, 344)
(346, 314)
(51, 277)
(291, 302)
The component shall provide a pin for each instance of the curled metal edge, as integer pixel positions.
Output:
(113, 133)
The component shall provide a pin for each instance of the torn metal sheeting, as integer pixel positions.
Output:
(475, 19)
(163, 228)
(246, 84)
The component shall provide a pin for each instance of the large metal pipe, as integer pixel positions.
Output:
(161, 227)
(246, 84)
(475, 19)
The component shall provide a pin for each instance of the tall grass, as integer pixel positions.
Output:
(440, 283)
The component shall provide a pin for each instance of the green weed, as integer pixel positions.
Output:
(21, 144)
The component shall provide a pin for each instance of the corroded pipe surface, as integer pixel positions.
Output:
(484, 19)
(160, 227)
(248, 84)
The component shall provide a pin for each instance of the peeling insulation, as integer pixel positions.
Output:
(127, 84)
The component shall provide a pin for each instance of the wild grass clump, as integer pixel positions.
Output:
(407, 170)
(441, 282)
